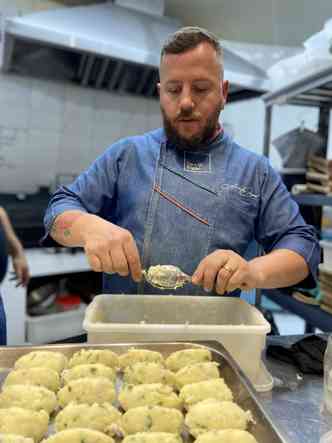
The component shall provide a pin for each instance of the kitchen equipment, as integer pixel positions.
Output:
(239, 326)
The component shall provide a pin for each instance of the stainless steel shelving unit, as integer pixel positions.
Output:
(313, 90)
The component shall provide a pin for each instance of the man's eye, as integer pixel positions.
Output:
(173, 90)
(200, 89)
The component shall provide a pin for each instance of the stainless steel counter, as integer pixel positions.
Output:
(295, 405)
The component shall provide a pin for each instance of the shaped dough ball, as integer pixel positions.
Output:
(152, 437)
(46, 377)
(142, 373)
(87, 390)
(196, 392)
(196, 373)
(36, 398)
(24, 422)
(155, 394)
(211, 415)
(92, 356)
(140, 356)
(14, 438)
(226, 436)
(180, 359)
(152, 419)
(104, 418)
(44, 359)
(79, 436)
(89, 370)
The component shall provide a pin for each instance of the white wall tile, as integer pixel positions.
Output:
(73, 155)
(40, 156)
(12, 115)
(14, 87)
(79, 111)
(12, 147)
(137, 116)
(47, 105)
(112, 115)
(14, 176)
(154, 119)
(15, 99)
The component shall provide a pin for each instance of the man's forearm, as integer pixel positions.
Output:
(279, 268)
(67, 228)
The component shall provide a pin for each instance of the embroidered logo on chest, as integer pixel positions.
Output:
(197, 162)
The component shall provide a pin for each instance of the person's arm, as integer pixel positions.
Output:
(286, 238)
(15, 250)
(76, 216)
(279, 269)
(291, 247)
(226, 271)
(109, 248)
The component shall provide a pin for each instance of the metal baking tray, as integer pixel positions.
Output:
(244, 394)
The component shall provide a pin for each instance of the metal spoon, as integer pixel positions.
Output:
(166, 277)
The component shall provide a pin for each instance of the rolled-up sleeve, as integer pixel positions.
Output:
(88, 193)
(281, 226)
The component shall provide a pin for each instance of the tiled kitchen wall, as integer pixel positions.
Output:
(49, 128)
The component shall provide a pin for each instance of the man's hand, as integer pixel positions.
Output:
(225, 271)
(112, 249)
(21, 270)
(109, 248)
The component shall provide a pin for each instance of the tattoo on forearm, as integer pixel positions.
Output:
(63, 227)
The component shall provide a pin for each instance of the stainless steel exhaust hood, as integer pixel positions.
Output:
(107, 46)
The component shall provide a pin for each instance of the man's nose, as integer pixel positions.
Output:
(186, 102)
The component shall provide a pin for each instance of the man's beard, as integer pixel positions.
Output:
(197, 141)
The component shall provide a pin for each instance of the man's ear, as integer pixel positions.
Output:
(158, 88)
(224, 89)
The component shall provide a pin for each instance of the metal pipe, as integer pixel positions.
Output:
(115, 75)
(102, 73)
(267, 130)
(87, 71)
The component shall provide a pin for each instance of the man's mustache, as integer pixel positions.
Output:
(187, 116)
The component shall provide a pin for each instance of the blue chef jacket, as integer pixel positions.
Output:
(181, 206)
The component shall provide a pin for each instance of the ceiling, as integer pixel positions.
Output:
(278, 22)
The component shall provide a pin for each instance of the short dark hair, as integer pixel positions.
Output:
(188, 38)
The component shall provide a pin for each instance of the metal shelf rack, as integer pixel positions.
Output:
(313, 90)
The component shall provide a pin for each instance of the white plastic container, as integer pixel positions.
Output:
(54, 327)
(327, 252)
(240, 327)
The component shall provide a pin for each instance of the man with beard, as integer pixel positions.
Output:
(186, 195)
